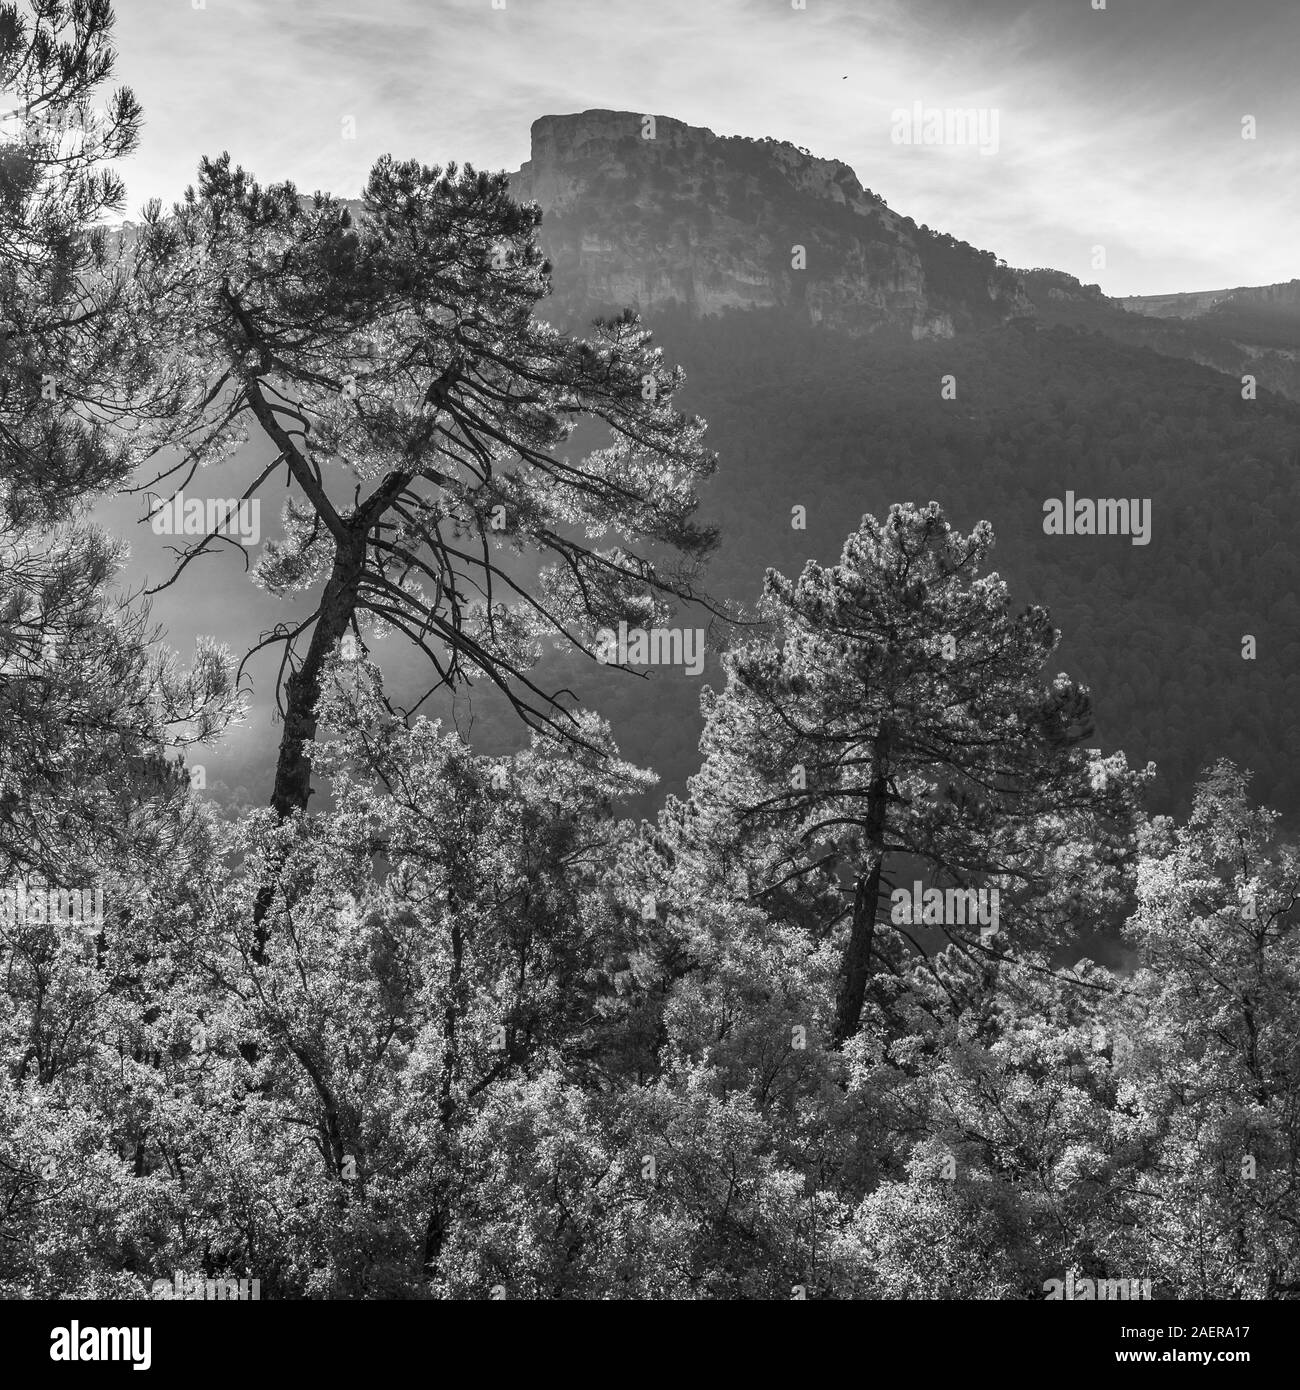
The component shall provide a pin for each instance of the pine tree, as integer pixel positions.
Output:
(74, 367)
(895, 721)
(393, 356)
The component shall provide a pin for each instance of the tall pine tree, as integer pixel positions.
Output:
(895, 725)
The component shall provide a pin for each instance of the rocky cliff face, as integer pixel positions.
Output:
(1269, 299)
(650, 213)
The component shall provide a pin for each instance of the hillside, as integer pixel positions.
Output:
(1239, 332)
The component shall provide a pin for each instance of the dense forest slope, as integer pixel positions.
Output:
(803, 417)
(1253, 332)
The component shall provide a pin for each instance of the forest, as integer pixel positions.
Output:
(434, 1022)
(842, 426)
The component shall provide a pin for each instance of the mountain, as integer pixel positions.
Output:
(651, 212)
(822, 391)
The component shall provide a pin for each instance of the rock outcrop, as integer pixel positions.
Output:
(648, 212)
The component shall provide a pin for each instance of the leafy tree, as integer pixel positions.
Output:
(1207, 1111)
(1009, 1170)
(447, 929)
(91, 807)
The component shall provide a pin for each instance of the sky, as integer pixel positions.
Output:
(1117, 128)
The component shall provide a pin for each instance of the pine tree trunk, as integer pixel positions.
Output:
(302, 695)
(303, 688)
(856, 965)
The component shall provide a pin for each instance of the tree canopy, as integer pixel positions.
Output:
(821, 1028)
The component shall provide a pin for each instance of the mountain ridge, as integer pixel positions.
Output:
(649, 211)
